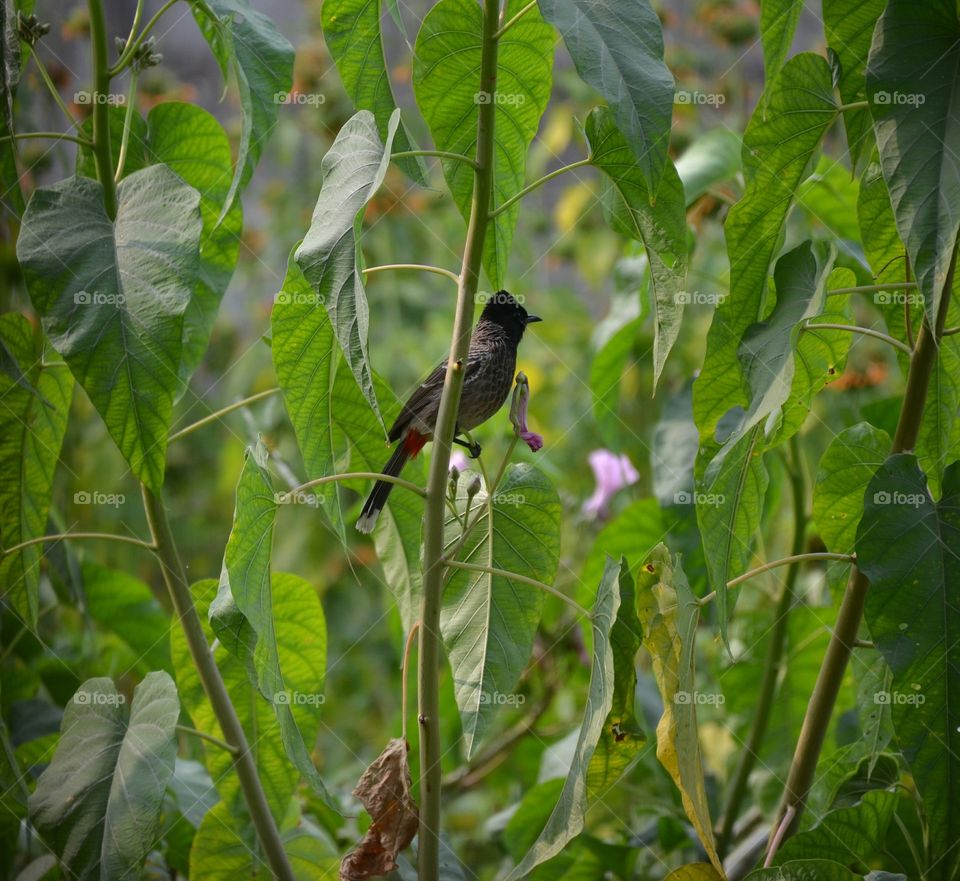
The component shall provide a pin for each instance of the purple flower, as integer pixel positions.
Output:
(518, 414)
(459, 460)
(612, 473)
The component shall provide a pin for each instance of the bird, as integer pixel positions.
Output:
(488, 377)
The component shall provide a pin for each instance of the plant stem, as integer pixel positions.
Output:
(56, 136)
(441, 154)
(64, 536)
(873, 288)
(773, 564)
(52, 89)
(175, 578)
(523, 579)
(511, 22)
(428, 691)
(422, 267)
(132, 45)
(101, 117)
(127, 120)
(538, 183)
(866, 331)
(774, 657)
(213, 417)
(844, 636)
(354, 475)
(193, 732)
(855, 105)
(950, 331)
(405, 673)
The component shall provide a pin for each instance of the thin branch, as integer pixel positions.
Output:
(213, 417)
(65, 536)
(523, 579)
(352, 475)
(512, 21)
(405, 672)
(193, 732)
(873, 288)
(865, 331)
(783, 561)
(55, 136)
(422, 267)
(950, 331)
(440, 154)
(51, 88)
(127, 121)
(539, 183)
(131, 47)
(854, 105)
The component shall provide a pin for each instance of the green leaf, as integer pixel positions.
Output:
(123, 604)
(618, 49)
(351, 29)
(805, 870)
(778, 24)
(112, 296)
(246, 43)
(10, 192)
(567, 817)
(259, 720)
(446, 82)
(695, 872)
(33, 419)
(329, 255)
(851, 836)
(243, 615)
(191, 143)
(713, 158)
(778, 145)
(846, 468)
(674, 450)
(606, 371)
(908, 547)
(334, 424)
(488, 622)
(914, 109)
(98, 802)
(659, 221)
(668, 612)
(848, 26)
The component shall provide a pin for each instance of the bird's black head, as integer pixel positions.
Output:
(501, 308)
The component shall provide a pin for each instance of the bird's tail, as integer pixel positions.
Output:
(409, 446)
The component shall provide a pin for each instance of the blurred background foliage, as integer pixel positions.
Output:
(590, 370)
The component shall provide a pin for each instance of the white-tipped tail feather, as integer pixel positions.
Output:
(367, 521)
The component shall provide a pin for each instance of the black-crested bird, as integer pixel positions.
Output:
(490, 367)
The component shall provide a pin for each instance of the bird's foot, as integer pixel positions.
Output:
(472, 447)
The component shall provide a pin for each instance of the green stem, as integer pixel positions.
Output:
(873, 288)
(421, 267)
(428, 691)
(213, 417)
(844, 635)
(101, 117)
(865, 331)
(854, 105)
(69, 536)
(523, 579)
(127, 120)
(774, 658)
(441, 154)
(194, 732)
(950, 331)
(538, 183)
(773, 564)
(512, 21)
(175, 578)
(52, 89)
(133, 45)
(137, 15)
(355, 475)
(56, 136)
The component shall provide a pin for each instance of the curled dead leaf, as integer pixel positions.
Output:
(384, 790)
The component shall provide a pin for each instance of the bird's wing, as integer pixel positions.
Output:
(427, 392)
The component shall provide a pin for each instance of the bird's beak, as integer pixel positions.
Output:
(531, 319)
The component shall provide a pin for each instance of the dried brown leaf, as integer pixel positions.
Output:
(384, 790)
